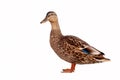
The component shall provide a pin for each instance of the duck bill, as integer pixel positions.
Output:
(43, 21)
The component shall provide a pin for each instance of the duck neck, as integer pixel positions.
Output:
(55, 28)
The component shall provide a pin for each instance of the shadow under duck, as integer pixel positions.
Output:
(70, 48)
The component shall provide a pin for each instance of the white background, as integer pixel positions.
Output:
(25, 53)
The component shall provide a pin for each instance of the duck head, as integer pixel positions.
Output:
(51, 17)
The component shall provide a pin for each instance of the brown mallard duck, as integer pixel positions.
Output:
(70, 48)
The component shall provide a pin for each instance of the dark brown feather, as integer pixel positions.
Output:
(75, 41)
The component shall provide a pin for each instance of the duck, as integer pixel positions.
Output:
(71, 48)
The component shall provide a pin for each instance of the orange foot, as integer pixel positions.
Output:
(70, 70)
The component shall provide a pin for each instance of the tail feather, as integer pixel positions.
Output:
(98, 55)
(103, 60)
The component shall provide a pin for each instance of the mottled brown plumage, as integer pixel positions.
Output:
(70, 48)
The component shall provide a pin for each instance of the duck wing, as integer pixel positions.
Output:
(77, 44)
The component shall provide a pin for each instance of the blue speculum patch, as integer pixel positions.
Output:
(85, 51)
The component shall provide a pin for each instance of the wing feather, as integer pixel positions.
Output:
(75, 41)
(77, 44)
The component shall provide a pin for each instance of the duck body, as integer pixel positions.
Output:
(71, 48)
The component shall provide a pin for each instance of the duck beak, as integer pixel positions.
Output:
(44, 20)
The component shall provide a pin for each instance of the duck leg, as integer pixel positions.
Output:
(71, 69)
